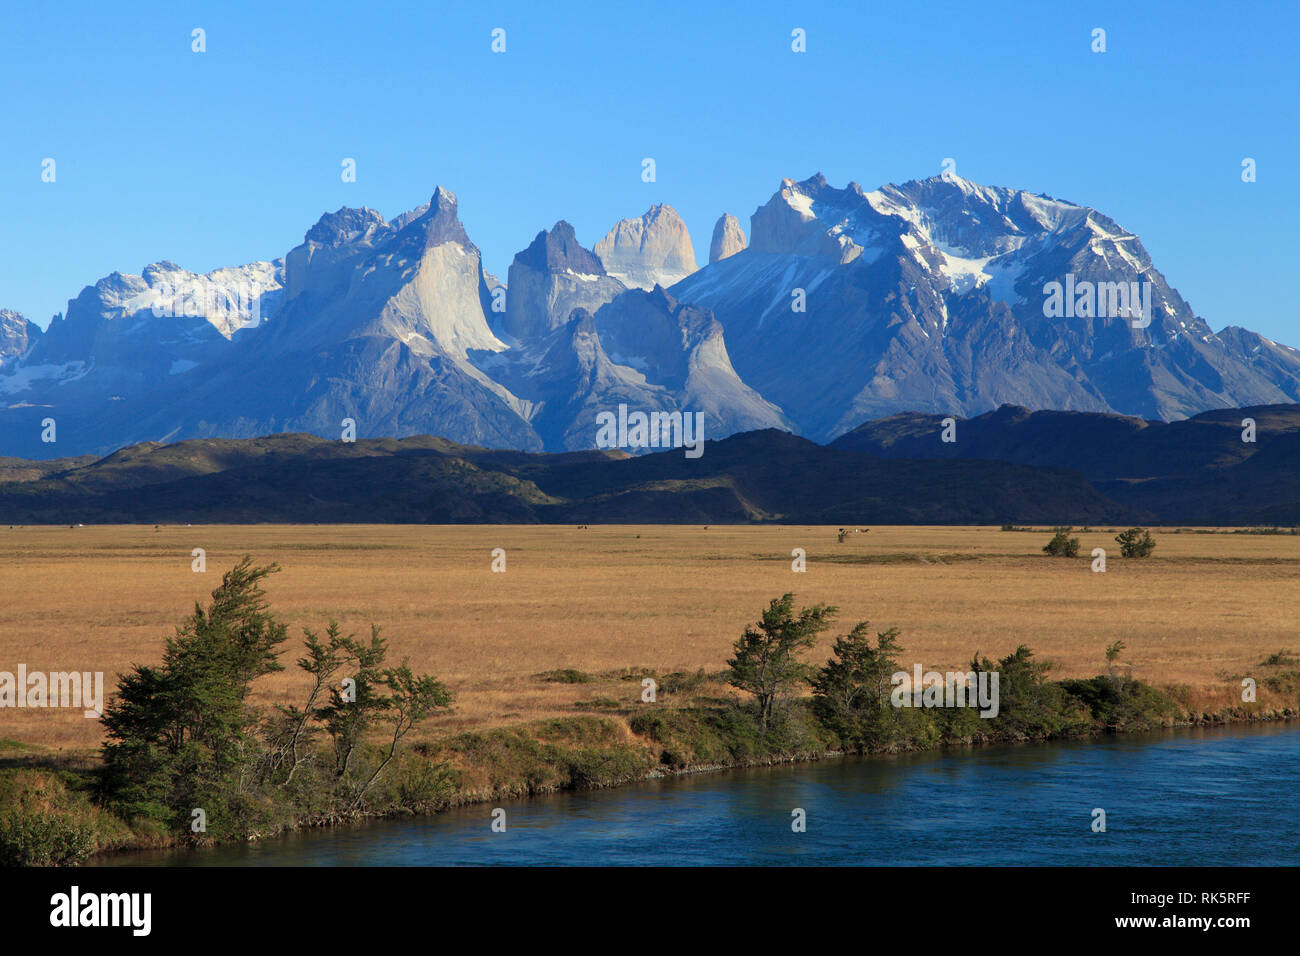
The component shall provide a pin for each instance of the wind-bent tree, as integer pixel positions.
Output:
(180, 734)
(352, 711)
(766, 662)
(414, 698)
(289, 734)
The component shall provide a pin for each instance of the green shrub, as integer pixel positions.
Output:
(1282, 658)
(422, 785)
(594, 767)
(702, 736)
(565, 675)
(1030, 707)
(42, 823)
(1135, 543)
(1122, 703)
(1062, 545)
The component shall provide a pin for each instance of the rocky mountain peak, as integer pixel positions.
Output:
(924, 296)
(653, 248)
(548, 280)
(728, 238)
(438, 223)
(558, 250)
(343, 226)
(16, 334)
(812, 218)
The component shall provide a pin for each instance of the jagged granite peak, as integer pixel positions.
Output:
(728, 238)
(548, 280)
(438, 222)
(418, 279)
(653, 249)
(345, 225)
(558, 250)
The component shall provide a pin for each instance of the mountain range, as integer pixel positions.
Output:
(841, 306)
(1008, 466)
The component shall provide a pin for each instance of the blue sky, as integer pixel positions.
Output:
(229, 156)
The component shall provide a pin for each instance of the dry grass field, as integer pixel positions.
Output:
(604, 598)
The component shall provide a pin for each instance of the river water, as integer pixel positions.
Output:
(1192, 797)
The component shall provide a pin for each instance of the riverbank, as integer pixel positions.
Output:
(49, 812)
(1217, 796)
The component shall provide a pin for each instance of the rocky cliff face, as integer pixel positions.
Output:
(551, 278)
(728, 238)
(653, 250)
(583, 344)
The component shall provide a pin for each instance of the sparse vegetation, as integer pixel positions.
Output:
(1062, 545)
(1135, 543)
(565, 675)
(116, 591)
(1282, 658)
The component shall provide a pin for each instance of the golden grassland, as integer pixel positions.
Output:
(1203, 610)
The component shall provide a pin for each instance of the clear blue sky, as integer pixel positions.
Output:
(229, 156)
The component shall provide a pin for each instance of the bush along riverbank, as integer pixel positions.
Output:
(187, 760)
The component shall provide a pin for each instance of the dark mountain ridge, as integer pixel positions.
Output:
(1007, 466)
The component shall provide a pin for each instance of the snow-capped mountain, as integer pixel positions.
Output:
(128, 334)
(850, 305)
(17, 333)
(938, 296)
(393, 325)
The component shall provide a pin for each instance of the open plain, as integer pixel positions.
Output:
(1204, 610)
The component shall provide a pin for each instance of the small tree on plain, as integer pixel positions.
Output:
(1112, 655)
(1062, 545)
(1135, 543)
